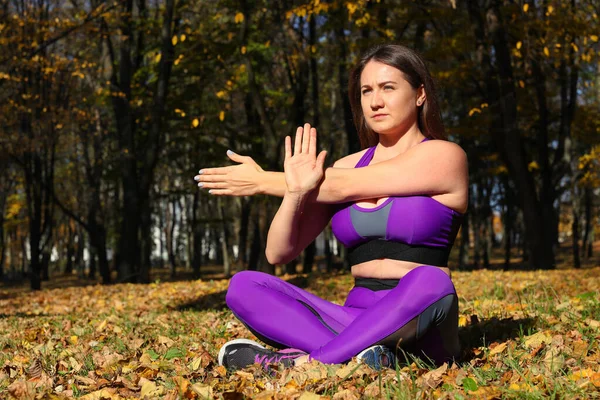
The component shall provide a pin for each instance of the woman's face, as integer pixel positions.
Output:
(389, 102)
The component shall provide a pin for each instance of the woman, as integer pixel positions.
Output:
(397, 205)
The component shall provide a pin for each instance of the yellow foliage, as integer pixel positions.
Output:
(594, 38)
(533, 166)
(182, 38)
(474, 110)
(590, 165)
(239, 18)
(519, 44)
(222, 116)
(352, 7)
(195, 122)
(243, 49)
(14, 208)
(174, 40)
(525, 7)
(546, 52)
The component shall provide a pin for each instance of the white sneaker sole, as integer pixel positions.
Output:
(236, 341)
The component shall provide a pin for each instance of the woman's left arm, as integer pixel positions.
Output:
(432, 168)
(435, 167)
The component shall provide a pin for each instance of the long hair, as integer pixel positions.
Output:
(416, 74)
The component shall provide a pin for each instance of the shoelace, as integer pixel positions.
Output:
(265, 359)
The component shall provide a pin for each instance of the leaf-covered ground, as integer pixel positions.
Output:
(525, 335)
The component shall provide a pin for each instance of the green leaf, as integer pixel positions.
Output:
(173, 352)
(587, 295)
(469, 384)
(153, 355)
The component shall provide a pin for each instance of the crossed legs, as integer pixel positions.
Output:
(420, 313)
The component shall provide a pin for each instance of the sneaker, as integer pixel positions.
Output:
(241, 353)
(377, 357)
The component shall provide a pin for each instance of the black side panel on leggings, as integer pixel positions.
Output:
(312, 310)
(441, 315)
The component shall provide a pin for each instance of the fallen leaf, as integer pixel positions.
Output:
(149, 389)
(22, 390)
(346, 394)
(537, 339)
(102, 394)
(166, 341)
(499, 348)
(434, 378)
(204, 391)
(309, 396)
(101, 326)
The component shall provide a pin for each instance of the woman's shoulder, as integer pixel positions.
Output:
(440, 148)
(350, 160)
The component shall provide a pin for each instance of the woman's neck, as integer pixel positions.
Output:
(390, 146)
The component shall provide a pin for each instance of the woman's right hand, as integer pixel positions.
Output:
(236, 180)
(303, 169)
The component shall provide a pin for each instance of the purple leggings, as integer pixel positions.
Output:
(420, 313)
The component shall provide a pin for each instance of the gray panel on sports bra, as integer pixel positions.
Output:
(372, 223)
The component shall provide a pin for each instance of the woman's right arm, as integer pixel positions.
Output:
(296, 222)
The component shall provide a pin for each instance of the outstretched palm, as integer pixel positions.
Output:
(303, 169)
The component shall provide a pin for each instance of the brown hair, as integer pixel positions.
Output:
(416, 74)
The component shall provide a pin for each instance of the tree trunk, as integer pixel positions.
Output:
(224, 239)
(588, 230)
(505, 133)
(351, 133)
(508, 224)
(70, 250)
(575, 236)
(197, 232)
(463, 250)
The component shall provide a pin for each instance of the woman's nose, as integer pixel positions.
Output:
(376, 100)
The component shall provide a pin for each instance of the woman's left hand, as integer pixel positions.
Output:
(303, 169)
(242, 179)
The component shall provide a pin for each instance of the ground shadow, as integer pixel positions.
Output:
(25, 315)
(216, 301)
(474, 336)
(483, 333)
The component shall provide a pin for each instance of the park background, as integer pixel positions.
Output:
(109, 108)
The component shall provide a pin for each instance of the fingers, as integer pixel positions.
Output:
(210, 178)
(298, 142)
(312, 149)
(220, 192)
(288, 148)
(211, 171)
(321, 159)
(306, 138)
(213, 185)
(239, 158)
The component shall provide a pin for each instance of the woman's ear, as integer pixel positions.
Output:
(421, 96)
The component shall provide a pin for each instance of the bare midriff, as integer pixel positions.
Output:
(387, 269)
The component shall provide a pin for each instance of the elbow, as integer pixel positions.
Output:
(275, 257)
(271, 257)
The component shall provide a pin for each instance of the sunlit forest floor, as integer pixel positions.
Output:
(525, 334)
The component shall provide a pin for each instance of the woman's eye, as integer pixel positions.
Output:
(366, 91)
(387, 87)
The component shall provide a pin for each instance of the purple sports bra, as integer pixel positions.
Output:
(410, 228)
